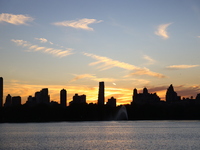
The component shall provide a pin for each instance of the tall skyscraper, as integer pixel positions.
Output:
(134, 95)
(63, 97)
(1, 91)
(101, 98)
(171, 95)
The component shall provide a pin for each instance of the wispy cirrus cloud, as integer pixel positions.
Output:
(149, 59)
(198, 36)
(77, 77)
(43, 40)
(78, 24)
(181, 66)
(146, 71)
(92, 77)
(162, 30)
(15, 19)
(52, 51)
(108, 63)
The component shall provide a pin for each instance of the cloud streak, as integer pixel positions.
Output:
(42, 40)
(92, 77)
(149, 59)
(15, 19)
(181, 66)
(162, 30)
(79, 24)
(108, 63)
(146, 71)
(52, 51)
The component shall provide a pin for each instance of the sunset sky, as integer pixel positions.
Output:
(75, 44)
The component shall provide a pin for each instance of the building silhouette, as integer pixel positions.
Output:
(16, 101)
(63, 98)
(134, 97)
(1, 91)
(78, 99)
(101, 97)
(37, 97)
(45, 98)
(31, 101)
(145, 97)
(198, 97)
(111, 102)
(41, 97)
(8, 101)
(171, 95)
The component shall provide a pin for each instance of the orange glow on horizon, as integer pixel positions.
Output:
(122, 95)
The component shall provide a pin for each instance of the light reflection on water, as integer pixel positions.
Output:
(137, 135)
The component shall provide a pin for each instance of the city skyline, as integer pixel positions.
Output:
(144, 106)
(144, 97)
(73, 45)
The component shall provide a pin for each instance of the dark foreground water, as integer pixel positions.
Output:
(138, 135)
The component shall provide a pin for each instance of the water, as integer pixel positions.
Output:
(138, 135)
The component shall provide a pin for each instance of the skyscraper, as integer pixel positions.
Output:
(145, 97)
(78, 99)
(111, 102)
(1, 91)
(16, 101)
(134, 95)
(63, 97)
(171, 95)
(101, 98)
(45, 98)
(8, 101)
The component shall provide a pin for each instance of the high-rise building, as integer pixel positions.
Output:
(1, 91)
(31, 101)
(134, 95)
(171, 95)
(145, 97)
(45, 98)
(78, 99)
(101, 98)
(111, 102)
(198, 97)
(37, 97)
(16, 101)
(63, 97)
(8, 101)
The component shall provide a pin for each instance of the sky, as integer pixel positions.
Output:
(75, 44)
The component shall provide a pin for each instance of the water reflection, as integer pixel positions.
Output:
(101, 135)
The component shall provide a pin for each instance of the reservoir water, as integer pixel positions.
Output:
(136, 135)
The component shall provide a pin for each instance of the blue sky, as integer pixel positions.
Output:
(75, 44)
